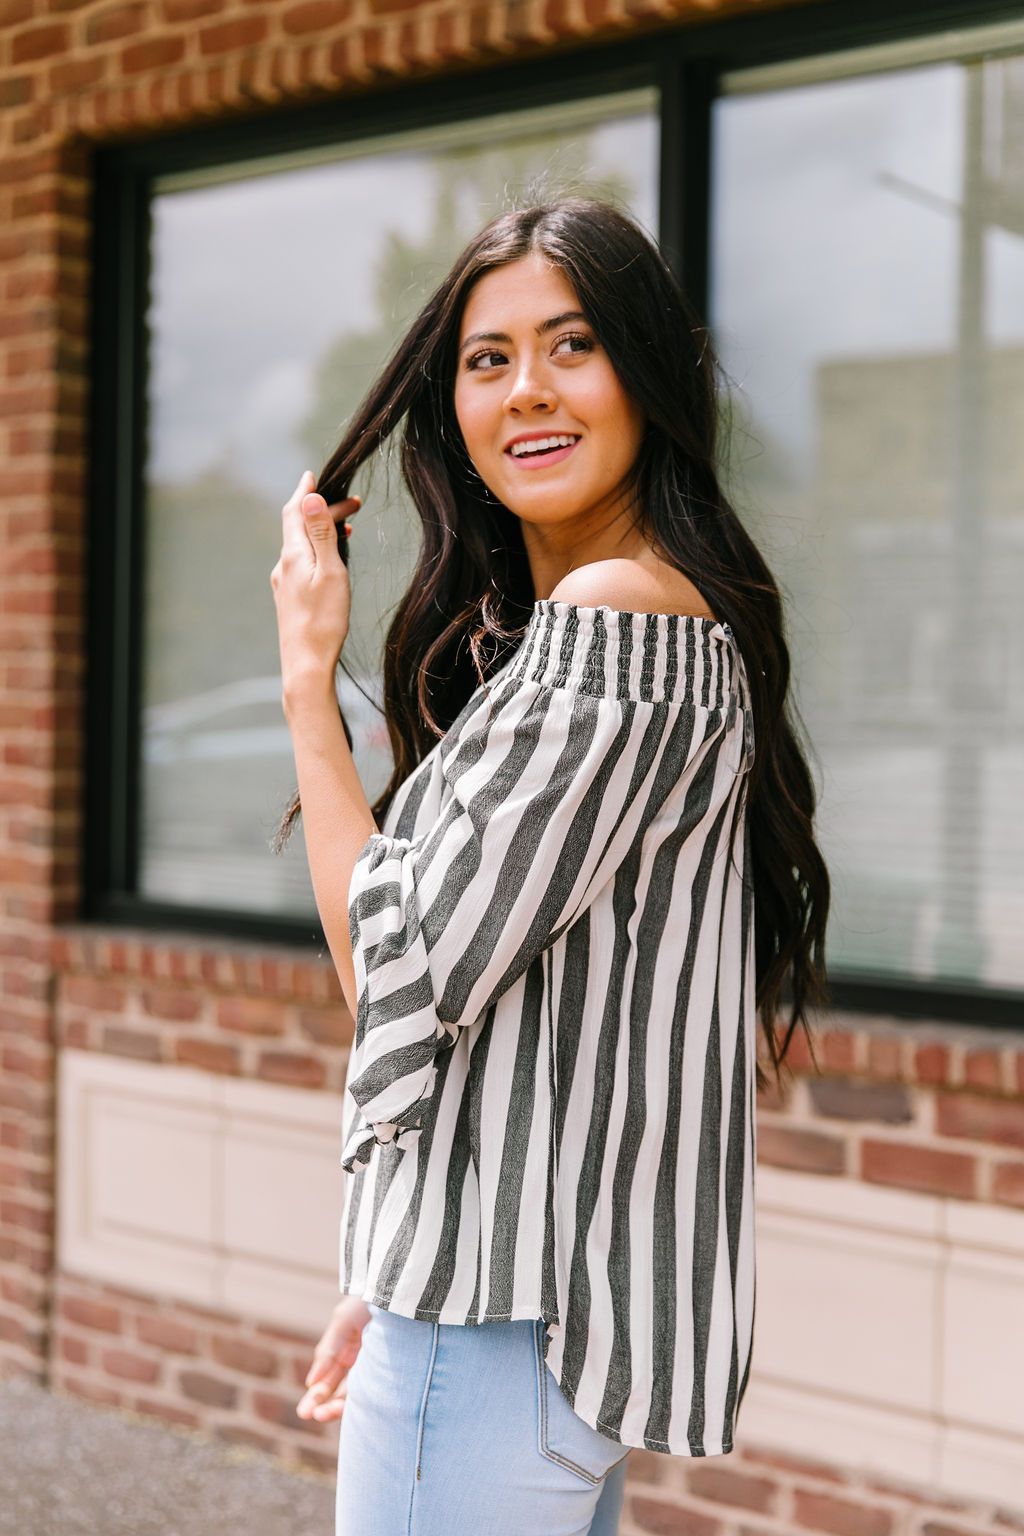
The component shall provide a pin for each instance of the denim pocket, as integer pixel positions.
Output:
(564, 1437)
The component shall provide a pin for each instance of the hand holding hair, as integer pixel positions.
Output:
(311, 589)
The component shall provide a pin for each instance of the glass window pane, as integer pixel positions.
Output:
(277, 293)
(868, 301)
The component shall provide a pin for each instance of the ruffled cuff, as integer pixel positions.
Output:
(358, 1149)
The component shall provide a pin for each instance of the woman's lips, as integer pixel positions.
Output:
(538, 460)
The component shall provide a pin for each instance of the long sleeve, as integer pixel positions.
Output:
(551, 786)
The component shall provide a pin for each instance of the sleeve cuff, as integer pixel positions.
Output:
(358, 1150)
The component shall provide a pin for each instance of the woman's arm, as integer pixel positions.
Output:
(336, 815)
(312, 597)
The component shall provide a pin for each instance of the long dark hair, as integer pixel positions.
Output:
(471, 593)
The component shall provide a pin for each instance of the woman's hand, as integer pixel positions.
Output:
(311, 589)
(333, 1358)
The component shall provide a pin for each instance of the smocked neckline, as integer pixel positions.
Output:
(629, 653)
(559, 604)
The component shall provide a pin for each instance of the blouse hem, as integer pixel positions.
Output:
(458, 1316)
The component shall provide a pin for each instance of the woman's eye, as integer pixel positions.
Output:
(471, 363)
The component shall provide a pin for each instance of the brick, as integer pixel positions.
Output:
(152, 53)
(650, 1467)
(88, 992)
(15, 11)
(791, 1148)
(131, 1042)
(278, 1410)
(165, 1333)
(315, 16)
(980, 1119)
(122, 1362)
(166, 1003)
(32, 1218)
(797, 1466)
(662, 1519)
(211, 1390)
(74, 1350)
(838, 1050)
(19, 1063)
(885, 1057)
(40, 42)
(823, 1512)
(189, 10)
(253, 1359)
(924, 1168)
(224, 1059)
(95, 1315)
(19, 1332)
(291, 1067)
(251, 1015)
(1008, 1183)
(775, 1095)
(843, 1099)
(932, 1063)
(984, 1069)
(15, 91)
(227, 36)
(327, 1026)
(721, 1485)
(114, 23)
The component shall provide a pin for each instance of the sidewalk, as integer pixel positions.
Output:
(71, 1468)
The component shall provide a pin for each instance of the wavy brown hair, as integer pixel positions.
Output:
(471, 593)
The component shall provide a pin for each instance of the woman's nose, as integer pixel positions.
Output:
(528, 390)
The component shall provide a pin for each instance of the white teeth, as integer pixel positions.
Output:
(537, 443)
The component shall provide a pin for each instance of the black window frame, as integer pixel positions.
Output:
(685, 63)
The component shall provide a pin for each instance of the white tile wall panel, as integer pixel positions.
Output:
(889, 1333)
(205, 1188)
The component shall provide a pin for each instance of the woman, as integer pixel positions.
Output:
(546, 927)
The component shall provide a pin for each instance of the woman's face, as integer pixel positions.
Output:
(554, 381)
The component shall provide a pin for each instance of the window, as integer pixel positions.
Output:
(843, 197)
(868, 299)
(277, 289)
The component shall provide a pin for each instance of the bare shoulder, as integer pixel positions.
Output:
(627, 585)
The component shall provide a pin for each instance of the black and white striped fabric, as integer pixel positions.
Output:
(549, 1103)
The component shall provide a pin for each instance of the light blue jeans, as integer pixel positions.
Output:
(462, 1430)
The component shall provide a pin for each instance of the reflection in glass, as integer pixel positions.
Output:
(275, 298)
(868, 301)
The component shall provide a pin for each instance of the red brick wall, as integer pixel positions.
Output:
(931, 1107)
(924, 1108)
(189, 1366)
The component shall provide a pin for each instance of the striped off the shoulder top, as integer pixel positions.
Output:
(549, 1102)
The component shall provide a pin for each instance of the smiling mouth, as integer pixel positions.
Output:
(543, 456)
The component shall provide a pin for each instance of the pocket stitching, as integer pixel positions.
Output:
(542, 1385)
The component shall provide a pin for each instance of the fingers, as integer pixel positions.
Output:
(312, 1402)
(324, 1385)
(293, 527)
(325, 1380)
(293, 531)
(326, 1408)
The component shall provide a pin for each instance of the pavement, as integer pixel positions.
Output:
(74, 1468)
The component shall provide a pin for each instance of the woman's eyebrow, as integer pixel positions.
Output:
(545, 326)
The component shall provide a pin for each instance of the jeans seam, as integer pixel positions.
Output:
(423, 1417)
(542, 1391)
